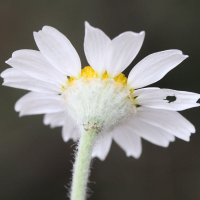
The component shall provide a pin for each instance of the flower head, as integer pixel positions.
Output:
(99, 96)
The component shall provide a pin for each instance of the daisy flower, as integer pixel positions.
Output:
(98, 103)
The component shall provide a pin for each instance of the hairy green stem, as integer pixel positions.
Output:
(82, 164)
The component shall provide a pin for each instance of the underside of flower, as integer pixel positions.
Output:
(100, 99)
(98, 103)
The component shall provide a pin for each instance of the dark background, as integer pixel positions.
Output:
(35, 164)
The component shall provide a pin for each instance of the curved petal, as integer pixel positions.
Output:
(151, 133)
(69, 130)
(157, 98)
(154, 67)
(95, 45)
(54, 119)
(128, 141)
(170, 121)
(38, 103)
(58, 50)
(102, 147)
(34, 64)
(17, 79)
(121, 52)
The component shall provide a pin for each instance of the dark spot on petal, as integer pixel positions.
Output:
(170, 99)
(137, 106)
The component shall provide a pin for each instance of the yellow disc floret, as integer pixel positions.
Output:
(88, 72)
(121, 78)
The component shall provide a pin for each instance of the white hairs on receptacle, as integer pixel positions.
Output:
(98, 103)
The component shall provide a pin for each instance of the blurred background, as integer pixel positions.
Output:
(35, 164)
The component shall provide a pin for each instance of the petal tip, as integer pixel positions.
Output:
(181, 53)
(193, 129)
(47, 28)
(7, 61)
(102, 158)
(137, 156)
(21, 114)
(2, 75)
(187, 140)
(16, 107)
(35, 33)
(142, 33)
(89, 27)
(87, 23)
(45, 122)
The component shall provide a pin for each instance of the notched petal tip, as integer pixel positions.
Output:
(134, 156)
(37, 34)
(45, 28)
(177, 51)
(184, 56)
(131, 33)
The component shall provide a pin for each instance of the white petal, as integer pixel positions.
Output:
(128, 141)
(38, 103)
(153, 67)
(58, 50)
(170, 121)
(34, 64)
(151, 133)
(121, 52)
(102, 147)
(95, 45)
(156, 98)
(69, 130)
(17, 79)
(54, 119)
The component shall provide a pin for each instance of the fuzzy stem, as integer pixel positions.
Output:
(82, 163)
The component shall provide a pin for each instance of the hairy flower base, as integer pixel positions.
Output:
(98, 103)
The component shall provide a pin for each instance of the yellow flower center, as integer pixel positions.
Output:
(88, 72)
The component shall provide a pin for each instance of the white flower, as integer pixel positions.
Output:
(100, 96)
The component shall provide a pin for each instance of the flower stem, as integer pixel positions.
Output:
(82, 164)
